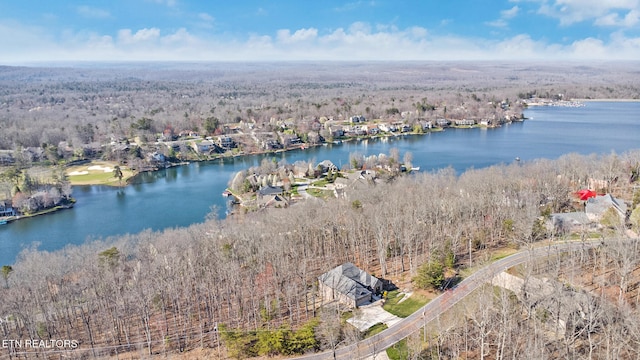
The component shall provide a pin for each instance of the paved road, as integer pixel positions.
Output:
(302, 190)
(442, 303)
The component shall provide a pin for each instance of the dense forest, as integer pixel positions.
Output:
(168, 292)
(81, 109)
(247, 285)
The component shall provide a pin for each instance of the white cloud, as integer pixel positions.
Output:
(302, 35)
(511, 13)
(204, 21)
(205, 17)
(91, 12)
(589, 47)
(169, 3)
(601, 12)
(500, 23)
(631, 19)
(360, 41)
(355, 5)
(125, 36)
(504, 16)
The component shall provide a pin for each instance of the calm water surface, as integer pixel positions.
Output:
(184, 195)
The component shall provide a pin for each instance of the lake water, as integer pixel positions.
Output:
(184, 195)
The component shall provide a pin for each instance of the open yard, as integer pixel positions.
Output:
(398, 305)
(98, 173)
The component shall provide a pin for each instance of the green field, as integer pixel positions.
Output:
(98, 173)
(405, 308)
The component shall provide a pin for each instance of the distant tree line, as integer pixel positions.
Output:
(75, 113)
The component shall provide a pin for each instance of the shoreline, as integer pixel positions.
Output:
(606, 100)
(128, 180)
(10, 219)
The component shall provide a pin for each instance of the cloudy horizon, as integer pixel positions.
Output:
(257, 30)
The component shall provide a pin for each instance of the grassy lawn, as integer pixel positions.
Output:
(320, 183)
(591, 235)
(375, 329)
(323, 194)
(346, 316)
(502, 253)
(398, 351)
(405, 308)
(97, 173)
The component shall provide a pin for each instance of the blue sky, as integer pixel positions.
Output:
(259, 30)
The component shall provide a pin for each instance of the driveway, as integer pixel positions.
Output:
(369, 315)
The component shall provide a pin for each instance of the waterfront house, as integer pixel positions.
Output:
(373, 130)
(314, 138)
(273, 201)
(6, 209)
(270, 190)
(357, 119)
(203, 146)
(336, 131)
(349, 285)
(157, 157)
(226, 142)
(271, 144)
(426, 125)
(290, 139)
(360, 130)
(465, 122)
(326, 166)
(443, 123)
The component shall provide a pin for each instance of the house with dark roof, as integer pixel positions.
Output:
(270, 190)
(595, 209)
(276, 201)
(6, 209)
(568, 222)
(349, 285)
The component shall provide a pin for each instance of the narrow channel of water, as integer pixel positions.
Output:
(184, 195)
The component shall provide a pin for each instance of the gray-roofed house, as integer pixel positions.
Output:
(597, 206)
(270, 190)
(567, 222)
(203, 146)
(349, 285)
(327, 165)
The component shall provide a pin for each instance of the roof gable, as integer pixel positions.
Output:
(350, 280)
(601, 203)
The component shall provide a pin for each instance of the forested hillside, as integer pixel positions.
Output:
(168, 292)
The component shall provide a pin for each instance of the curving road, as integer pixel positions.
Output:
(379, 342)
